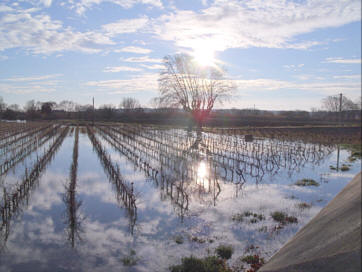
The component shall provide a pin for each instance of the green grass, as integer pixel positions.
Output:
(224, 251)
(240, 217)
(345, 168)
(355, 149)
(131, 259)
(283, 218)
(254, 261)
(306, 182)
(304, 205)
(179, 239)
(198, 240)
(207, 264)
(250, 259)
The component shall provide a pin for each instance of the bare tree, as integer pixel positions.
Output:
(47, 107)
(195, 88)
(30, 106)
(14, 107)
(67, 105)
(107, 111)
(359, 102)
(332, 103)
(129, 103)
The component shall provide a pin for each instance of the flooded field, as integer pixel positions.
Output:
(139, 198)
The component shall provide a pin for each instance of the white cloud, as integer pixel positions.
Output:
(33, 84)
(115, 69)
(254, 23)
(142, 59)
(134, 49)
(261, 84)
(4, 8)
(40, 34)
(125, 26)
(343, 61)
(137, 83)
(327, 88)
(293, 67)
(143, 43)
(145, 82)
(33, 78)
(45, 87)
(46, 3)
(153, 66)
(304, 77)
(348, 77)
(83, 5)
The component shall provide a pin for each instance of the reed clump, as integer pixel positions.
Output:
(283, 218)
(307, 182)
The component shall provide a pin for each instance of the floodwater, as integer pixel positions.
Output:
(172, 194)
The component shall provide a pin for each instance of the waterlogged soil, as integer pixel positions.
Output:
(186, 203)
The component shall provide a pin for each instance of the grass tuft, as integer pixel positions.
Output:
(254, 261)
(304, 205)
(239, 217)
(306, 182)
(179, 239)
(207, 264)
(283, 218)
(131, 259)
(345, 167)
(224, 251)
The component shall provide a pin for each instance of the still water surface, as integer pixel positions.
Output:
(186, 207)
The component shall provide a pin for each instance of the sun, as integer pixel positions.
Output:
(204, 56)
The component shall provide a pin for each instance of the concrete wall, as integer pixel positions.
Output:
(331, 241)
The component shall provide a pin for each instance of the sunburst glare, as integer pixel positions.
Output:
(204, 56)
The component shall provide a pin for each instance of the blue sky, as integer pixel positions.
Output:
(282, 55)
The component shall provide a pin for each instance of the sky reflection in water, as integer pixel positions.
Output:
(38, 236)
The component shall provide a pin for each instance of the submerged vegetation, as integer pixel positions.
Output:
(207, 264)
(304, 205)
(168, 159)
(306, 182)
(253, 217)
(179, 239)
(254, 261)
(131, 259)
(345, 167)
(283, 218)
(224, 251)
(355, 151)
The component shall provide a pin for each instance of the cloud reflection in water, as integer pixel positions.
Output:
(38, 235)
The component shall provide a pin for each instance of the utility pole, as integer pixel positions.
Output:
(93, 112)
(340, 108)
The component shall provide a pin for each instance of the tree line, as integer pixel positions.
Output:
(188, 92)
(130, 110)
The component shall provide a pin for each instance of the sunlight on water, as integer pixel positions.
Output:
(202, 179)
(202, 170)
